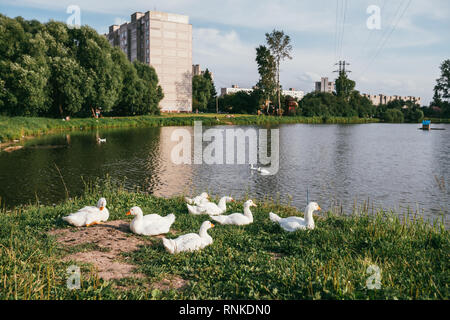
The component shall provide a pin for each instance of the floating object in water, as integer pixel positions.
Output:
(260, 170)
(100, 140)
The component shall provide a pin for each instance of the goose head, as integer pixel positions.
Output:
(206, 226)
(135, 211)
(312, 206)
(204, 195)
(249, 204)
(101, 204)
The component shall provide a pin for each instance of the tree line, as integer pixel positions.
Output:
(55, 71)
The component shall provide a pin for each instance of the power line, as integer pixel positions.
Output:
(388, 35)
(343, 29)
(336, 31)
(372, 32)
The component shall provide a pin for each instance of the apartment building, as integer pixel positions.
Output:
(235, 88)
(324, 85)
(378, 99)
(164, 41)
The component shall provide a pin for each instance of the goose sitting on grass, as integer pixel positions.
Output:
(238, 219)
(210, 208)
(203, 198)
(292, 224)
(190, 241)
(89, 216)
(151, 224)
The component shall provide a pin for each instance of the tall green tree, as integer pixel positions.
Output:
(344, 86)
(281, 48)
(441, 97)
(201, 92)
(213, 93)
(267, 69)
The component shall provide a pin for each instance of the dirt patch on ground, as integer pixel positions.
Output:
(111, 239)
(174, 282)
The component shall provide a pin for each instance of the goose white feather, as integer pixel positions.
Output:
(89, 215)
(190, 241)
(151, 224)
(203, 198)
(238, 219)
(292, 224)
(210, 208)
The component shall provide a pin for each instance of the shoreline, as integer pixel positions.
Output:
(20, 128)
(258, 261)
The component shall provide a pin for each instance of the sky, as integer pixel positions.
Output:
(402, 57)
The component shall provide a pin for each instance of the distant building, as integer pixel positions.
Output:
(197, 71)
(235, 88)
(164, 41)
(378, 99)
(324, 85)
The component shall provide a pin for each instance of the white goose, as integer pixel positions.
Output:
(260, 170)
(90, 215)
(190, 241)
(238, 219)
(197, 200)
(210, 208)
(151, 224)
(292, 224)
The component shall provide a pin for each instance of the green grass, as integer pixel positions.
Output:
(259, 261)
(19, 127)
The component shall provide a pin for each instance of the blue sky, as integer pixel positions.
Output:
(403, 57)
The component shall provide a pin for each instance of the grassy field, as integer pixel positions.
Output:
(259, 261)
(19, 127)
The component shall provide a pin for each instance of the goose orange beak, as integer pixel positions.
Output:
(319, 208)
(212, 225)
(101, 208)
(128, 213)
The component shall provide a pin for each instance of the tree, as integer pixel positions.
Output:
(344, 86)
(201, 92)
(213, 93)
(267, 69)
(442, 89)
(280, 48)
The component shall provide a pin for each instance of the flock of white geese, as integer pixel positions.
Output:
(153, 224)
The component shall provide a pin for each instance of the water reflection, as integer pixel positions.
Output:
(391, 165)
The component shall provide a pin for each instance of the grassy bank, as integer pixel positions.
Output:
(19, 127)
(259, 261)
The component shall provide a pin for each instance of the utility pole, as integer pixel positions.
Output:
(217, 104)
(342, 65)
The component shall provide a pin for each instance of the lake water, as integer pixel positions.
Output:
(391, 165)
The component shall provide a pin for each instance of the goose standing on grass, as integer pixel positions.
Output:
(238, 219)
(292, 224)
(210, 208)
(197, 200)
(151, 224)
(190, 241)
(260, 170)
(89, 216)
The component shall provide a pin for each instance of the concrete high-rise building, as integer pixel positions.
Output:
(378, 99)
(164, 41)
(324, 85)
